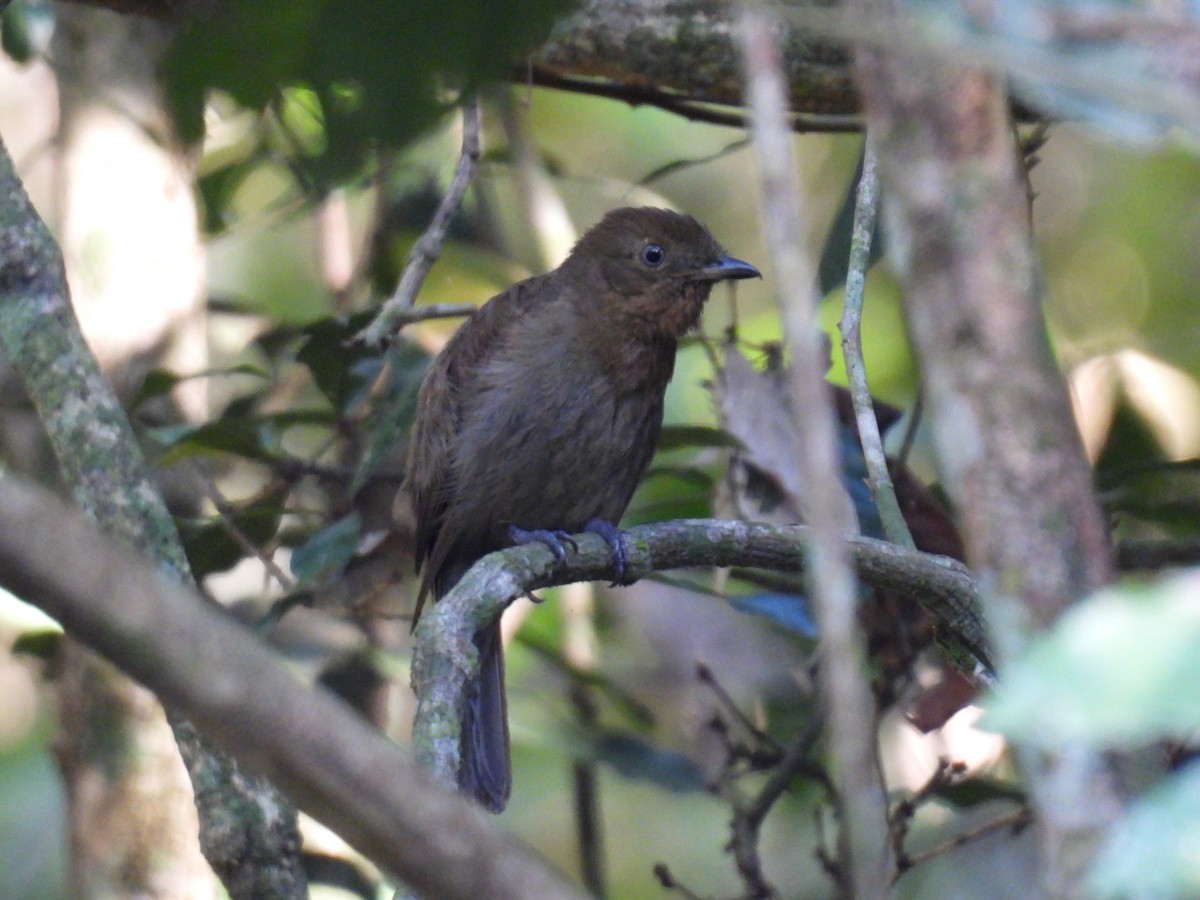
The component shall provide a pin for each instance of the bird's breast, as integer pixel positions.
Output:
(556, 447)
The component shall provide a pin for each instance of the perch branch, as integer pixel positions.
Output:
(444, 660)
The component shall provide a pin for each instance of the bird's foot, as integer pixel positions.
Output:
(615, 538)
(552, 539)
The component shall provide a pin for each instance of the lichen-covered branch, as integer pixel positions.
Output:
(444, 659)
(247, 830)
(688, 50)
(1008, 450)
(244, 698)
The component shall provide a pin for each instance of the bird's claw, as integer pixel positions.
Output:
(552, 539)
(615, 538)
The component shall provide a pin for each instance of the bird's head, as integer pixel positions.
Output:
(653, 269)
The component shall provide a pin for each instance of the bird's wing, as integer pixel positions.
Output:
(430, 471)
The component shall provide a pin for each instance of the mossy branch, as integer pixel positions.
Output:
(444, 659)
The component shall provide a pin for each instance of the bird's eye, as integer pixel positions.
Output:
(653, 255)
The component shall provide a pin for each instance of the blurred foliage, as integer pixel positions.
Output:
(327, 72)
(1138, 646)
(1121, 670)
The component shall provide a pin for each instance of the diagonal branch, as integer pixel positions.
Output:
(399, 310)
(242, 696)
(247, 830)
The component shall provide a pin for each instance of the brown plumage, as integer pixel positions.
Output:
(542, 413)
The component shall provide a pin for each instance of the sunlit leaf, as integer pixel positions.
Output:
(42, 644)
(1121, 668)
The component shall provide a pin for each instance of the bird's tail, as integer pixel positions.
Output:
(486, 772)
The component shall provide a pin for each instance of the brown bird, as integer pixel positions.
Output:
(539, 418)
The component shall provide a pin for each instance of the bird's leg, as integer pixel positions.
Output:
(615, 538)
(552, 539)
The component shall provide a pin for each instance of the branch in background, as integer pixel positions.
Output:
(640, 93)
(878, 477)
(1011, 458)
(247, 829)
(243, 697)
(399, 308)
(689, 51)
(865, 852)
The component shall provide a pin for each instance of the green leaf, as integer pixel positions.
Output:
(373, 74)
(42, 644)
(162, 381)
(333, 357)
(327, 551)
(1153, 850)
(979, 790)
(236, 436)
(674, 437)
(218, 187)
(1122, 668)
(393, 411)
(211, 547)
(26, 29)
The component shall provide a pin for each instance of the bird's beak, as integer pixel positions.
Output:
(727, 268)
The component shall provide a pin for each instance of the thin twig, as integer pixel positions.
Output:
(746, 826)
(642, 94)
(413, 314)
(587, 802)
(398, 309)
(845, 692)
(541, 204)
(678, 165)
(225, 515)
(902, 815)
(705, 676)
(1016, 820)
(795, 761)
(669, 882)
(878, 478)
